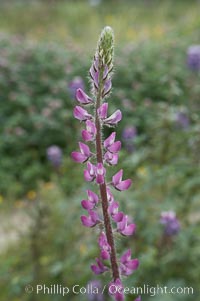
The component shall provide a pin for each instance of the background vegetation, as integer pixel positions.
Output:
(44, 47)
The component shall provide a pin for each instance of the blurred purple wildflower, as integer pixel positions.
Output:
(128, 135)
(170, 222)
(182, 120)
(94, 292)
(75, 84)
(54, 155)
(193, 57)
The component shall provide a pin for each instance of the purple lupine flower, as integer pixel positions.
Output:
(90, 132)
(100, 173)
(95, 291)
(138, 298)
(118, 183)
(113, 211)
(129, 132)
(75, 84)
(83, 155)
(104, 246)
(91, 202)
(170, 222)
(90, 172)
(98, 157)
(91, 220)
(115, 289)
(54, 155)
(182, 120)
(193, 57)
(128, 135)
(99, 268)
(110, 158)
(124, 228)
(128, 265)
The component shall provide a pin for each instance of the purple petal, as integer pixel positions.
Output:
(102, 110)
(92, 197)
(116, 179)
(109, 195)
(105, 255)
(105, 72)
(99, 268)
(102, 240)
(90, 172)
(87, 176)
(87, 205)
(110, 140)
(110, 158)
(82, 97)
(95, 76)
(114, 118)
(115, 147)
(118, 217)
(126, 256)
(91, 128)
(133, 264)
(129, 230)
(86, 136)
(100, 172)
(123, 185)
(107, 87)
(87, 222)
(85, 150)
(78, 157)
(81, 114)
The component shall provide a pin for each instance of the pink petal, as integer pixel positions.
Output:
(91, 128)
(87, 176)
(87, 205)
(133, 264)
(118, 217)
(105, 254)
(100, 172)
(129, 230)
(126, 256)
(123, 185)
(86, 221)
(81, 114)
(78, 157)
(116, 179)
(110, 140)
(115, 147)
(107, 87)
(86, 136)
(102, 110)
(99, 179)
(110, 158)
(82, 97)
(93, 197)
(95, 76)
(114, 118)
(84, 148)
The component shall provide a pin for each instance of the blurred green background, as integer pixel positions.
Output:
(46, 49)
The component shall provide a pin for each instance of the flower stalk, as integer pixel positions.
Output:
(105, 154)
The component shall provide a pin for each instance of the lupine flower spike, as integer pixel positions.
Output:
(102, 209)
